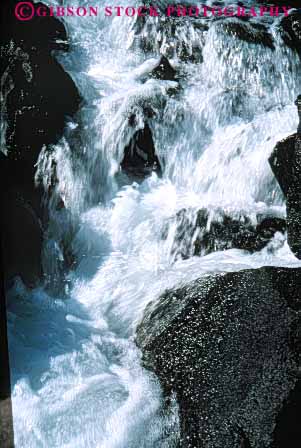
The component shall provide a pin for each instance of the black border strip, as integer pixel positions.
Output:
(6, 415)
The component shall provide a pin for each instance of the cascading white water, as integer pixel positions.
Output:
(76, 373)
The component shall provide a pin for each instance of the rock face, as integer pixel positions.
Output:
(38, 93)
(229, 347)
(291, 26)
(249, 32)
(23, 239)
(203, 235)
(37, 98)
(285, 162)
(164, 70)
(140, 158)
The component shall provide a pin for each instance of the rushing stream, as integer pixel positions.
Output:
(76, 373)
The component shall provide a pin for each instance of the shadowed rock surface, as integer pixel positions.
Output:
(38, 94)
(23, 239)
(285, 162)
(203, 234)
(37, 97)
(253, 33)
(287, 432)
(282, 162)
(140, 158)
(229, 347)
(292, 3)
(164, 70)
(291, 26)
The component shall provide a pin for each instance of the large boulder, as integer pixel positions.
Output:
(22, 239)
(229, 347)
(201, 233)
(285, 162)
(38, 97)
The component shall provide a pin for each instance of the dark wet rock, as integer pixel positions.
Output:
(287, 432)
(282, 162)
(183, 39)
(285, 162)
(164, 70)
(39, 95)
(22, 239)
(253, 33)
(293, 203)
(291, 4)
(140, 158)
(38, 99)
(40, 33)
(229, 346)
(291, 30)
(201, 234)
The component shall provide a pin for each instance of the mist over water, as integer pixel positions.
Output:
(77, 378)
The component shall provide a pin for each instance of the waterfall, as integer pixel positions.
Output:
(77, 378)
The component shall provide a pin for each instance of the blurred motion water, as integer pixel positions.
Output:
(76, 372)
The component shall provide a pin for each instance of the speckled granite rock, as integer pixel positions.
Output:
(229, 347)
(285, 162)
(201, 233)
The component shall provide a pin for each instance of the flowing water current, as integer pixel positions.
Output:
(77, 379)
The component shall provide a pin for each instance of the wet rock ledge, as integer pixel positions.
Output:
(229, 347)
(202, 234)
